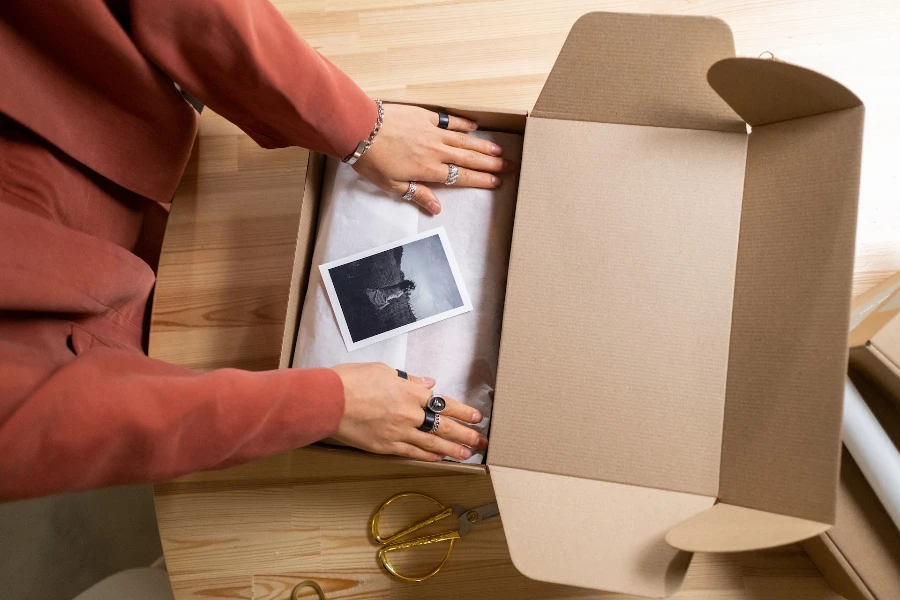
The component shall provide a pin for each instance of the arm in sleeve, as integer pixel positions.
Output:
(115, 416)
(243, 60)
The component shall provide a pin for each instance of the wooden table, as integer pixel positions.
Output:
(255, 530)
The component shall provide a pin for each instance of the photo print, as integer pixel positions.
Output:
(393, 289)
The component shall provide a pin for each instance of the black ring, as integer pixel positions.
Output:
(428, 424)
(436, 403)
(402, 374)
(443, 120)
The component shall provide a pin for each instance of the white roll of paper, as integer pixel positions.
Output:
(873, 450)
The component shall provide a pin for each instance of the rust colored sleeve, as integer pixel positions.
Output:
(243, 60)
(115, 416)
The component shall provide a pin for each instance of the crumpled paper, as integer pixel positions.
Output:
(460, 352)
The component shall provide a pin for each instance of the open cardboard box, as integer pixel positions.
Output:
(675, 327)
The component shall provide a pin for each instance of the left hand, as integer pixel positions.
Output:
(382, 414)
(411, 147)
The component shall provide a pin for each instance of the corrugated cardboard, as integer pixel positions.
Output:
(688, 331)
(674, 336)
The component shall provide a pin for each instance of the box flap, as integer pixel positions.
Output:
(764, 91)
(788, 355)
(615, 331)
(593, 534)
(637, 69)
(729, 528)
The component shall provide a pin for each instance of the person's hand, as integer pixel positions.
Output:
(411, 147)
(382, 414)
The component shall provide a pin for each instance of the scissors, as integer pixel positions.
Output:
(465, 518)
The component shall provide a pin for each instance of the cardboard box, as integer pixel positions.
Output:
(860, 555)
(675, 327)
(875, 342)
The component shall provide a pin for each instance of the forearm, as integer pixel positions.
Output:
(112, 417)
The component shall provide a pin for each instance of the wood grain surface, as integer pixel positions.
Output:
(255, 531)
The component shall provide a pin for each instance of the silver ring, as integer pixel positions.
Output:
(437, 423)
(436, 403)
(452, 174)
(410, 191)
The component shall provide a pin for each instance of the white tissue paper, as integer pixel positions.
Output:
(460, 352)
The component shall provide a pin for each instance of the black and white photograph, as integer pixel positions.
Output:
(395, 288)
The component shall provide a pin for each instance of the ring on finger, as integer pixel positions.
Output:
(436, 403)
(443, 120)
(410, 191)
(452, 174)
(431, 423)
(437, 424)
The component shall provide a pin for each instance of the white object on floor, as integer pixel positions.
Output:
(145, 583)
(461, 352)
(873, 450)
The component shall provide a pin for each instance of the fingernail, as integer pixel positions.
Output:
(476, 417)
(473, 126)
(483, 442)
(435, 208)
(496, 150)
(428, 381)
(465, 453)
(495, 181)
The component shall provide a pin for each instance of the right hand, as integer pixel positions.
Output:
(382, 413)
(411, 147)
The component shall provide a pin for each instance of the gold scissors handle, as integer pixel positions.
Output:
(448, 536)
(390, 543)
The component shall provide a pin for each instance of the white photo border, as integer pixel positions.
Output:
(338, 310)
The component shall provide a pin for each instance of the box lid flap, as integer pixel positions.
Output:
(729, 528)
(793, 277)
(764, 91)
(638, 69)
(593, 534)
(614, 351)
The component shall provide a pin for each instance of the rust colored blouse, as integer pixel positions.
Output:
(94, 137)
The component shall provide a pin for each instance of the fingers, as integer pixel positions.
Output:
(423, 196)
(453, 431)
(427, 382)
(468, 142)
(438, 445)
(411, 451)
(465, 178)
(457, 410)
(456, 123)
(472, 159)
(477, 179)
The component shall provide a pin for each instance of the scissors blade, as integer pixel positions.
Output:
(477, 515)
